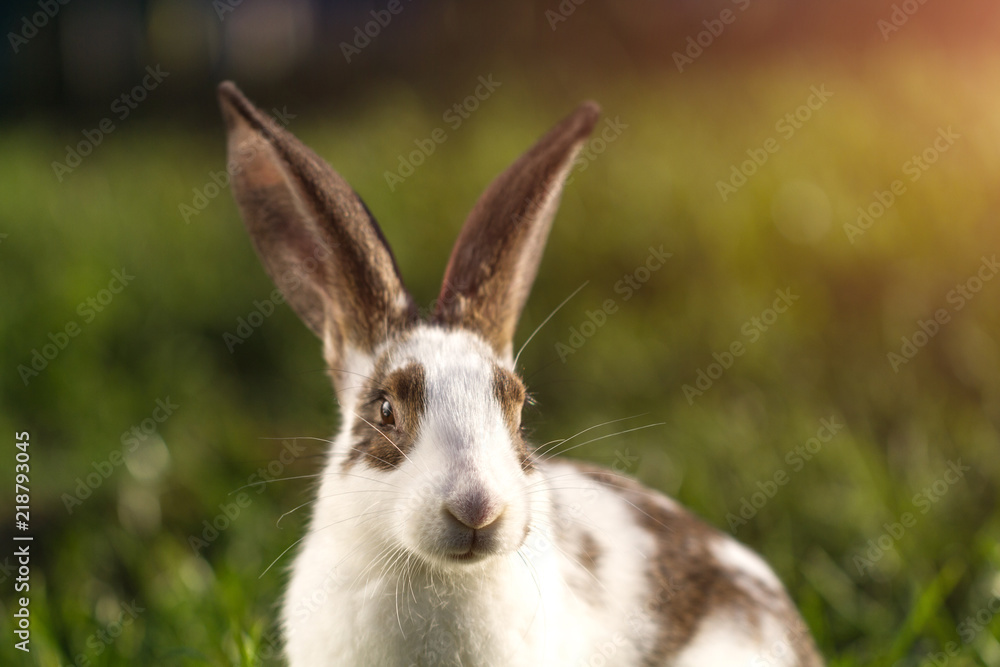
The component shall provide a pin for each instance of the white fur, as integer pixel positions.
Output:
(739, 559)
(722, 640)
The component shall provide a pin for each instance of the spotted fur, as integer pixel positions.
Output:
(694, 580)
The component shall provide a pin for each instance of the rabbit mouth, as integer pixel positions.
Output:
(451, 543)
(473, 546)
(469, 555)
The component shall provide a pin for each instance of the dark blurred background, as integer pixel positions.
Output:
(89, 51)
(845, 154)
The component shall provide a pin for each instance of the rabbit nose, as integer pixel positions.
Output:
(474, 511)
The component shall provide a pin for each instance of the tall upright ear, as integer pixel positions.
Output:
(313, 233)
(496, 256)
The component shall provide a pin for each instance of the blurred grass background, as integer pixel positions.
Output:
(129, 542)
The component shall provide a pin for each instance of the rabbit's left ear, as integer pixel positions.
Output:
(314, 235)
(496, 256)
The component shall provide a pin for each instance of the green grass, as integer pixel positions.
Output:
(825, 358)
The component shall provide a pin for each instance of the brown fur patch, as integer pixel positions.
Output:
(688, 583)
(385, 447)
(582, 551)
(510, 394)
(590, 553)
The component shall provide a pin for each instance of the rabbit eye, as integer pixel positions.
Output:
(388, 418)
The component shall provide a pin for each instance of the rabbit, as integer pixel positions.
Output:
(439, 536)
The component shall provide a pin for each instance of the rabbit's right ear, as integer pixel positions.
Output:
(314, 235)
(496, 256)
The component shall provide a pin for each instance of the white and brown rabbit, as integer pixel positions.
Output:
(438, 536)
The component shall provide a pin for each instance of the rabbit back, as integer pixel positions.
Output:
(702, 597)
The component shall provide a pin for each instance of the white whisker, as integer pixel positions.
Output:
(540, 451)
(604, 437)
(545, 321)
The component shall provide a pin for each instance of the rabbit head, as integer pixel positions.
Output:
(431, 407)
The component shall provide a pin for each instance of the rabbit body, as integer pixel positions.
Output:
(439, 536)
(608, 573)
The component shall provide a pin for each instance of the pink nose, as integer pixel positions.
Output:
(474, 511)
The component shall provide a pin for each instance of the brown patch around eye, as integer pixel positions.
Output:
(406, 386)
(510, 394)
(381, 445)
(590, 553)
